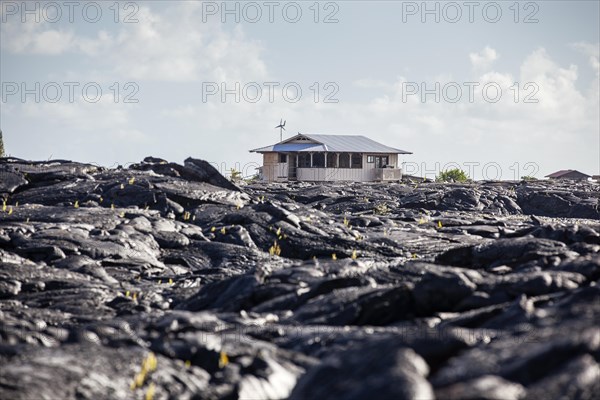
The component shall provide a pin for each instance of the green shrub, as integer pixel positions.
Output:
(528, 178)
(452, 175)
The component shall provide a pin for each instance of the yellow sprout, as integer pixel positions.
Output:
(354, 255)
(122, 186)
(421, 221)
(213, 229)
(27, 219)
(278, 233)
(150, 363)
(159, 281)
(334, 256)
(112, 206)
(122, 214)
(3, 205)
(223, 359)
(17, 204)
(414, 255)
(346, 222)
(275, 249)
(76, 204)
(132, 180)
(134, 296)
(127, 293)
(188, 363)
(439, 224)
(223, 231)
(170, 281)
(10, 210)
(150, 392)
(186, 216)
(138, 380)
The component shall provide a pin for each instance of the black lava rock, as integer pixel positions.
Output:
(168, 281)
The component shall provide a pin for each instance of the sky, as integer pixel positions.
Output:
(499, 89)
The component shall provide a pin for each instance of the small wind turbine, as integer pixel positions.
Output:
(281, 127)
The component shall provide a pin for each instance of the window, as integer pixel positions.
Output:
(282, 158)
(381, 161)
(332, 160)
(318, 160)
(304, 160)
(357, 160)
(370, 159)
(344, 160)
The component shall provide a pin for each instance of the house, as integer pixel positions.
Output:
(308, 157)
(568, 174)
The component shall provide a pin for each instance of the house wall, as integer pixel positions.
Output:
(368, 173)
(388, 174)
(393, 160)
(335, 174)
(273, 170)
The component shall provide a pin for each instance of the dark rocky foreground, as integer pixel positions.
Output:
(167, 281)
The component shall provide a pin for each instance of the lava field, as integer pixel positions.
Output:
(163, 280)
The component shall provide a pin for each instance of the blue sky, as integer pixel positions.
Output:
(370, 57)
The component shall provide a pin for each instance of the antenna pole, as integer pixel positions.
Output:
(281, 127)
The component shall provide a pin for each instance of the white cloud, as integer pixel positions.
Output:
(483, 59)
(163, 46)
(31, 38)
(592, 50)
(559, 98)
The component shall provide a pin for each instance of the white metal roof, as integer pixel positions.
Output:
(330, 143)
